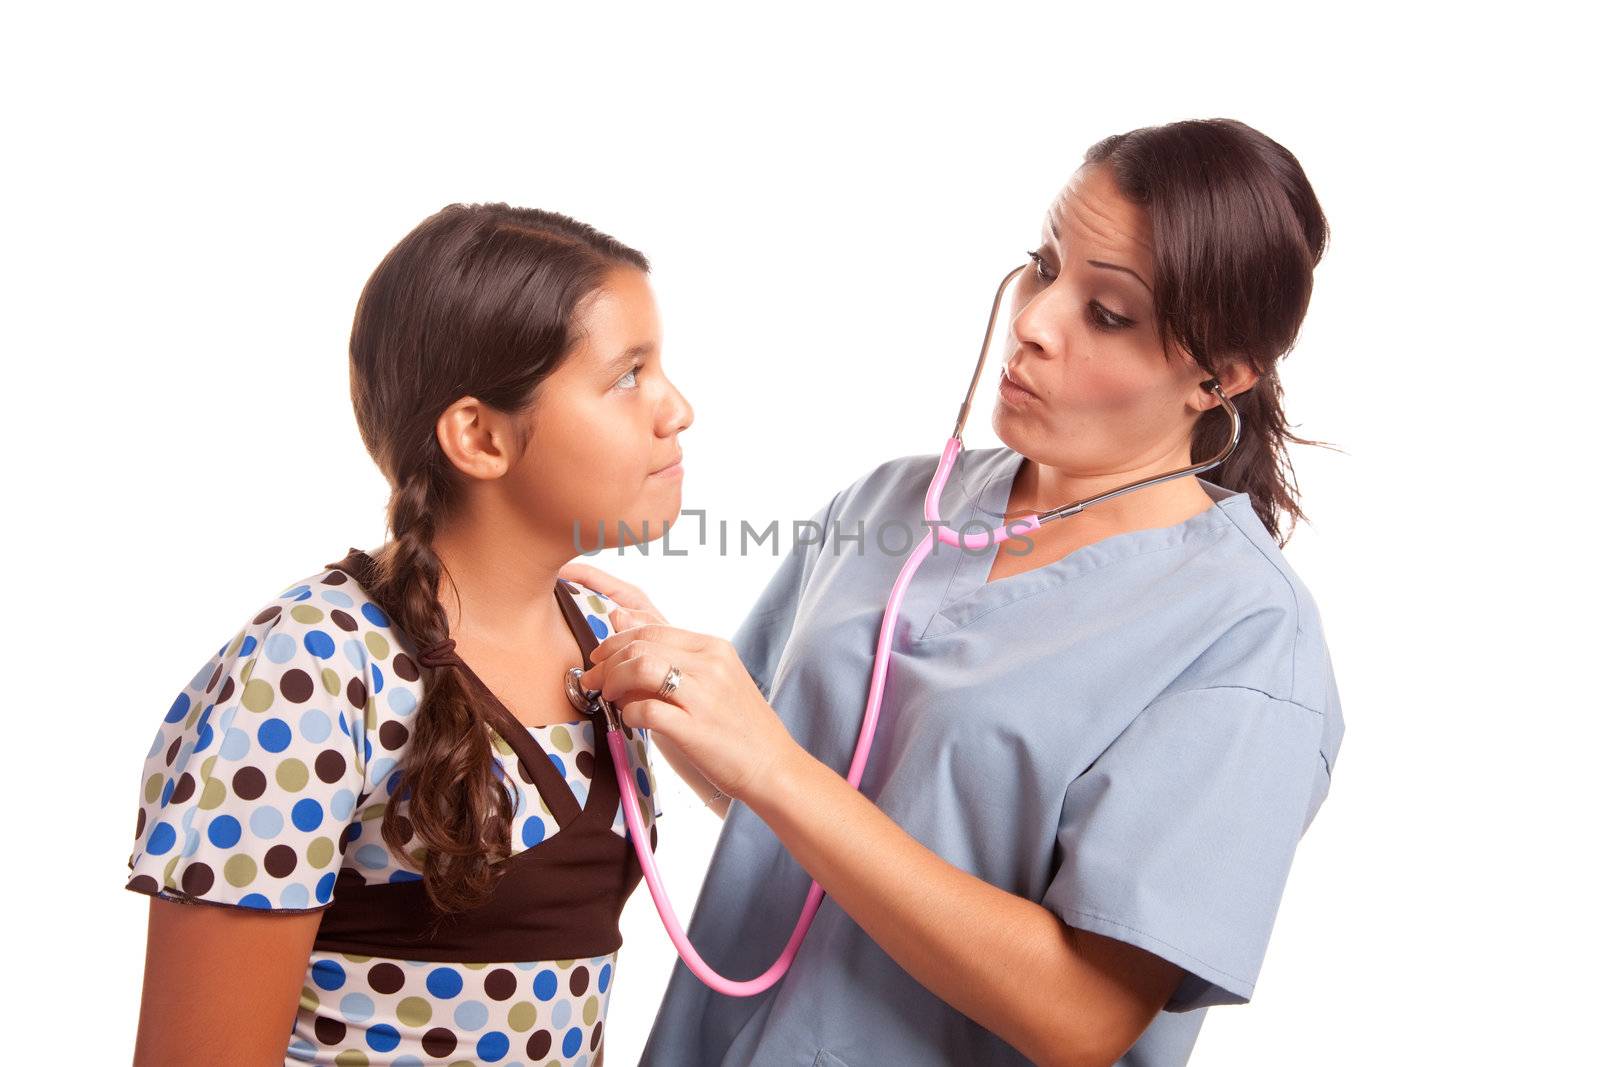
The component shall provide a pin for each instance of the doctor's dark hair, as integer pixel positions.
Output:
(1236, 231)
(481, 300)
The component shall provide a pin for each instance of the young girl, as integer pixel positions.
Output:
(373, 827)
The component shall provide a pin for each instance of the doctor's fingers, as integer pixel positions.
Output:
(641, 674)
(624, 594)
(656, 633)
(655, 715)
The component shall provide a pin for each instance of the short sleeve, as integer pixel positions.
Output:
(762, 635)
(258, 766)
(1178, 839)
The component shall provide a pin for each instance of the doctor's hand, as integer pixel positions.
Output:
(716, 716)
(638, 608)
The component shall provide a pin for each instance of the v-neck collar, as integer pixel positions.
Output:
(969, 595)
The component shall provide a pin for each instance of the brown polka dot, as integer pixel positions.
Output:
(405, 667)
(440, 1041)
(143, 883)
(342, 620)
(579, 981)
(330, 765)
(184, 789)
(335, 577)
(226, 692)
(594, 1038)
(356, 693)
(249, 783)
(386, 978)
(296, 685)
(539, 1044)
(269, 613)
(216, 676)
(500, 984)
(172, 749)
(280, 861)
(138, 824)
(197, 879)
(402, 826)
(347, 835)
(329, 1031)
(523, 772)
(391, 735)
(586, 764)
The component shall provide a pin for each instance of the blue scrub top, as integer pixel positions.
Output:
(1135, 736)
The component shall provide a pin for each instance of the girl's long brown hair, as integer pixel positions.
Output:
(1237, 231)
(478, 300)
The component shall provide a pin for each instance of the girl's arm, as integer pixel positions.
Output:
(221, 984)
(1059, 995)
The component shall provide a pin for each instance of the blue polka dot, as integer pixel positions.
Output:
(580, 791)
(377, 678)
(315, 726)
(374, 857)
(374, 615)
(532, 831)
(307, 814)
(561, 1014)
(394, 781)
(405, 876)
(471, 1015)
(343, 804)
(367, 749)
(327, 974)
(280, 648)
(544, 985)
(188, 816)
(325, 888)
(408, 1061)
(598, 627)
(318, 644)
(235, 744)
(166, 792)
(266, 822)
(562, 767)
(380, 768)
(643, 781)
(357, 1007)
(256, 900)
(344, 727)
(299, 592)
(224, 831)
(383, 1038)
(356, 653)
(247, 646)
(179, 709)
(203, 738)
(444, 982)
(295, 895)
(572, 1042)
(605, 977)
(493, 1045)
(191, 843)
(274, 735)
(333, 596)
(402, 701)
(304, 1051)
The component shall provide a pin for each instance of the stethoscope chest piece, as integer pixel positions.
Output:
(581, 698)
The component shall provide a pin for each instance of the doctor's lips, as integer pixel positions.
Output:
(671, 469)
(1013, 389)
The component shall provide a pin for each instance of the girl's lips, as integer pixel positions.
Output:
(669, 472)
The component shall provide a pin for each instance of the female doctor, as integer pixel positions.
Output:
(1096, 755)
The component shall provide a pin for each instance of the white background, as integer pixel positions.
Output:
(829, 195)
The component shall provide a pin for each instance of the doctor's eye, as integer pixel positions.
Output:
(1040, 271)
(1103, 318)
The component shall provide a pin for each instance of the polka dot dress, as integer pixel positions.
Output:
(271, 773)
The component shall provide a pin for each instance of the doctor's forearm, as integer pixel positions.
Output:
(1005, 962)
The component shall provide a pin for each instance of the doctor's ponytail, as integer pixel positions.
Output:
(478, 300)
(1237, 231)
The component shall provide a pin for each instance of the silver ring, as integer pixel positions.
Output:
(670, 682)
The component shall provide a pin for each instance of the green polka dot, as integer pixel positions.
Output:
(213, 794)
(166, 874)
(320, 852)
(352, 1057)
(247, 670)
(564, 964)
(240, 870)
(374, 811)
(258, 695)
(414, 1011)
(501, 745)
(235, 645)
(353, 958)
(591, 1010)
(205, 768)
(152, 788)
(306, 613)
(474, 966)
(561, 737)
(194, 713)
(522, 1016)
(309, 1001)
(371, 717)
(377, 645)
(596, 605)
(330, 681)
(292, 775)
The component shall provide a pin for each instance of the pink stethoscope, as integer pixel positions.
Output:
(588, 700)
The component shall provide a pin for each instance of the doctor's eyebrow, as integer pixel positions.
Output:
(1056, 233)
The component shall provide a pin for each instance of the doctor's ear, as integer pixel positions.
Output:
(1235, 377)
(479, 440)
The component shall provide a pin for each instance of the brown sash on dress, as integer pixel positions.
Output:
(557, 900)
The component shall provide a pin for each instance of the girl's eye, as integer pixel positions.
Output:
(630, 380)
